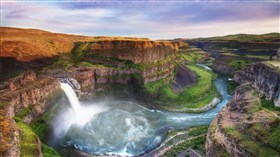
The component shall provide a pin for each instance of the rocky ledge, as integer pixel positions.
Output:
(243, 128)
(139, 52)
(24, 92)
(249, 124)
(264, 77)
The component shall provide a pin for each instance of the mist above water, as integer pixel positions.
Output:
(75, 114)
(123, 127)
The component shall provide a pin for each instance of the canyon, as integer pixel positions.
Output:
(161, 76)
(33, 92)
(247, 126)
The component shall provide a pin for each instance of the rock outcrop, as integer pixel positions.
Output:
(228, 65)
(139, 52)
(32, 44)
(264, 77)
(242, 128)
(221, 65)
(26, 92)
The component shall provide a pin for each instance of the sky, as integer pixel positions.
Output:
(155, 19)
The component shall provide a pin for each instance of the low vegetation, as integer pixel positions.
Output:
(255, 148)
(195, 141)
(29, 141)
(268, 104)
(192, 57)
(30, 135)
(195, 96)
(245, 38)
(239, 64)
(231, 87)
(153, 87)
(191, 54)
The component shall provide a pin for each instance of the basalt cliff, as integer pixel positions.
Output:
(97, 64)
(249, 124)
(234, 52)
(27, 93)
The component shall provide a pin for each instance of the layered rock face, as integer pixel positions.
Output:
(31, 44)
(216, 44)
(228, 65)
(99, 79)
(139, 52)
(221, 65)
(24, 92)
(264, 77)
(242, 128)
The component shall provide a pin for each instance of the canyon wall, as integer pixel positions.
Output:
(24, 93)
(139, 52)
(32, 44)
(245, 126)
(111, 61)
(264, 77)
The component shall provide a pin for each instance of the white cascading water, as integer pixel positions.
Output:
(75, 115)
(72, 97)
(124, 128)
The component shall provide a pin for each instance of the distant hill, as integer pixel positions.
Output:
(31, 44)
(271, 37)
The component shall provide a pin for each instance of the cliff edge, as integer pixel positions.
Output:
(249, 125)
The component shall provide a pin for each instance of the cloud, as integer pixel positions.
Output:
(152, 19)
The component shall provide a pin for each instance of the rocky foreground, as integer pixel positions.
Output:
(140, 68)
(137, 67)
(249, 124)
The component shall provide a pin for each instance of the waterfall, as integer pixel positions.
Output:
(72, 97)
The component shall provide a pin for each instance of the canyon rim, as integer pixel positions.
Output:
(139, 78)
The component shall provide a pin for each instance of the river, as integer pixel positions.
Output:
(125, 127)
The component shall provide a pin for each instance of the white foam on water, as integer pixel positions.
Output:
(125, 128)
(76, 115)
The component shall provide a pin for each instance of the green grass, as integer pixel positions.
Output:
(29, 143)
(30, 134)
(192, 57)
(231, 87)
(268, 136)
(264, 57)
(198, 135)
(198, 130)
(196, 143)
(255, 148)
(28, 140)
(239, 64)
(153, 87)
(269, 104)
(209, 62)
(195, 96)
(160, 63)
(41, 125)
(79, 51)
(204, 83)
(244, 38)
(274, 137)
(63, 61)
(48, 151)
